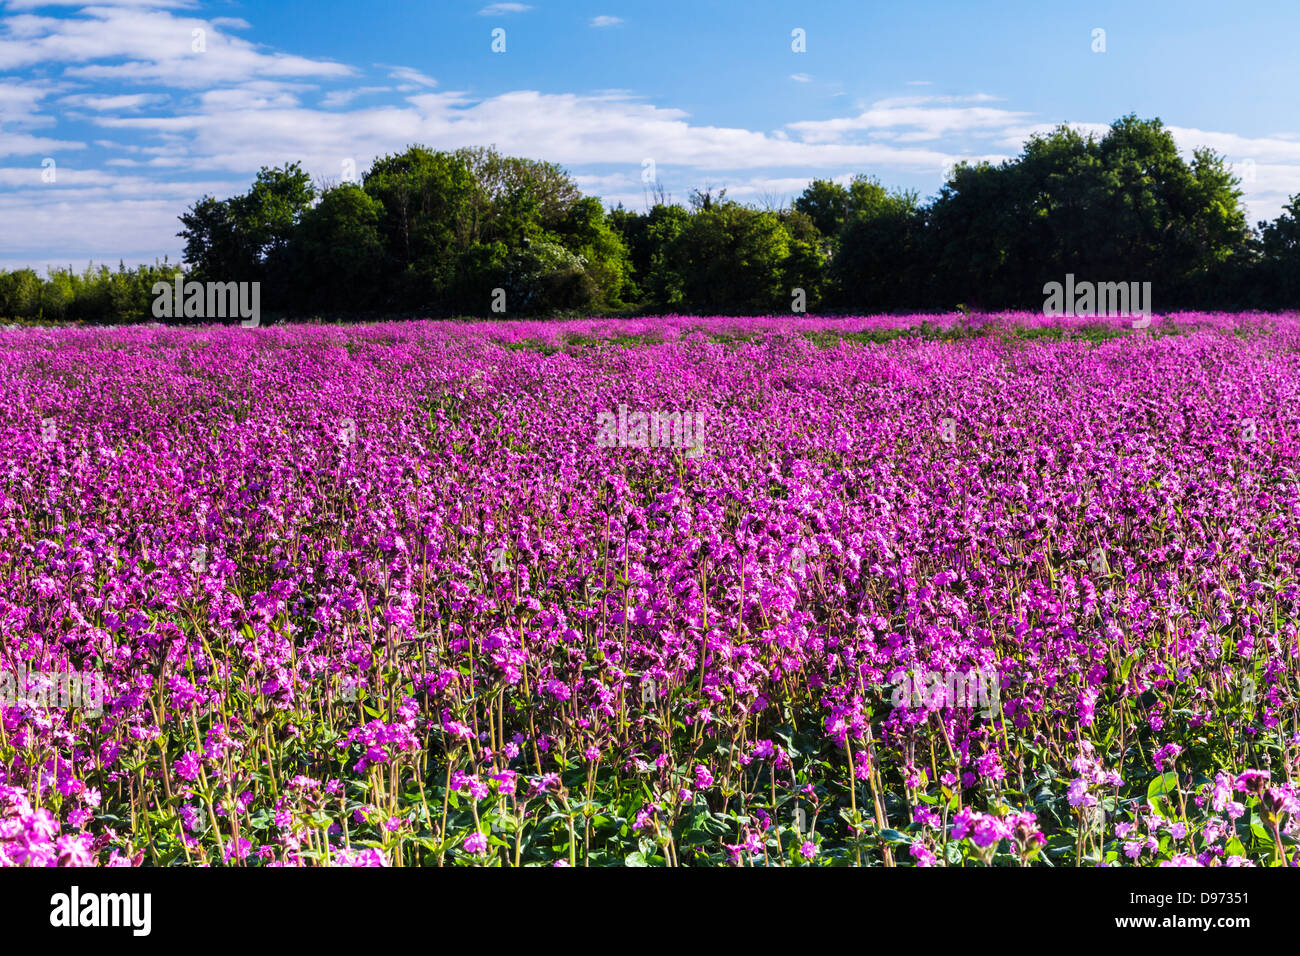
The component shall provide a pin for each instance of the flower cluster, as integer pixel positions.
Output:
(467, 632)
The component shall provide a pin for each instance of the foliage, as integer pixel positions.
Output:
(97, 295)
(448, 233)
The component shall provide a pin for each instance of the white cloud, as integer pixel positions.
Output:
(158, 47)
(90, 214)
(413, 77)
(20, 105)
(107, 103)
(1268, 165)
(567, 128)
(599, 185)
(500, 9)
(913, 119)
(160, 4)
(64, 232)
(205, 122)
(896, 101)
(344, 97)
(70, 181)
(605, 21)
(248, 96)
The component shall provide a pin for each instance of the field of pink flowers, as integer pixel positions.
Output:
(927, 591)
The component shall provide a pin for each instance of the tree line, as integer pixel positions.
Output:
(472, 232)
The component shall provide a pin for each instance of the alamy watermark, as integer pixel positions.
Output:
(976, 687)
(656, 429)
(76, 909)
(66, 690)
(1097, 298)
(209, 300)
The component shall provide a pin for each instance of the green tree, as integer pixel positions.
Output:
(269, 212)
(587, 233)
(58, 294)
(732, 258)
(20, 294)
(429, 223)
(826, 203)
(805, 262)
(1280, 271)
(882, 258)
(337, 252)
(246, 238)
(664, 281)
(631, 227)
(1122, 208)
(215, 248)
(511, 191)
(544, 276)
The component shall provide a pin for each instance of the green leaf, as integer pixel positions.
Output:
(1160, 790)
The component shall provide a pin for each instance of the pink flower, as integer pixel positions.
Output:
(922, 855)
(189, 765)
(237, 849)
(369, 856)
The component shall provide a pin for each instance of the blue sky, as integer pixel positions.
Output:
(115, 116)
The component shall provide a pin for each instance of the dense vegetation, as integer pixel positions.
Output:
(1006, 592)
(473, 232)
